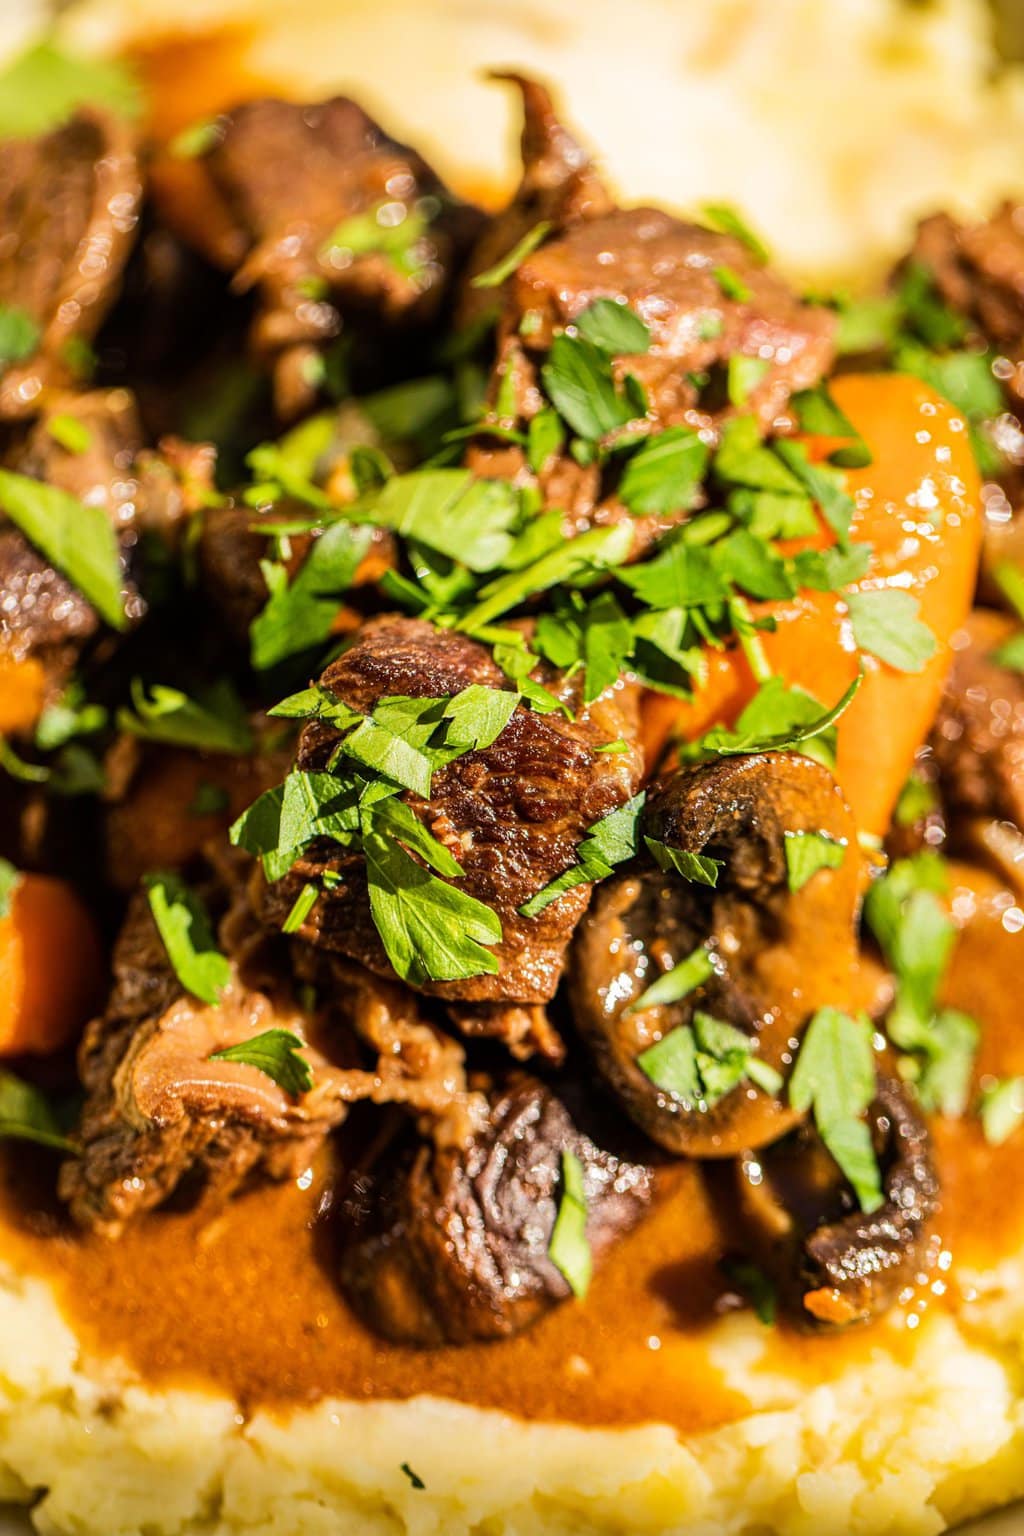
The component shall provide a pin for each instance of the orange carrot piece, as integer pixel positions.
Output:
(918, 506)
(51, 967)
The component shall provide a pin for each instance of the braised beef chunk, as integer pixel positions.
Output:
(334, 222)
(69, 205)
(979, 271)
(159, 1113)
(451, 1245)
(559, 186)
(43, 616)
(512, 814)
(705, 302)
(773, 955)
(978, 736)
(834, 1264)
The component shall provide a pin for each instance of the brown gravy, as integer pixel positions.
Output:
(247, 1303)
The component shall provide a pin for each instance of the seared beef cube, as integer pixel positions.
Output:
(159, 1113)
(334, 222)
(512, 814)
(450, 1245)
(559, 187)
(69, 206)
(772, 955)
(978, 735)
(978, 270)
(834, 1264)
(705, 301)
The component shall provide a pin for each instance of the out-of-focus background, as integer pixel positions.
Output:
(832, 123)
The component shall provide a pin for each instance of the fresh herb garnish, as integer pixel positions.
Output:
(569, 1248)
(753, 1284)
(731, 284)
(214, 721)
(664, 474)
(184, 927)
(299, 614)
(513, 260)
(416, 1481)
(43, 86)
(389, 230)
(579, 382)
(1002, 1109)
(700, 1063)
(614, 328)
(608, 842)
(697, 868)
(69, 432)
(26, 1115)
(75, 536)
(809, 852)
(10, 879)
(275, 1053)
(777, 719)
(683, 978)
(835, 1077)
(726, 219)
(886, 625)
(19, 335)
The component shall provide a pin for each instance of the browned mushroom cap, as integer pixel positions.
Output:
(777, 954)
(451, 1244)
(833, 1264)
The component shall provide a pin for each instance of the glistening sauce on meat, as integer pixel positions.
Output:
(247, 1303)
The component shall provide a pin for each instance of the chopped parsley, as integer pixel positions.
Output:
(513, 260)
(700, 1063)
(19, 335)
(754, 1285)
(834, 1076)
(727, 221)
(614, 328)
(664, 474)
(69, 432)
(608, 842)
(43, 86)
(1002, 1109)
(569, 1248)
(697, 868)
(886, 625)
(214, 721)
(299, 614)
(389, 230)
(75, 536)
(683, 978)
(275, 1053)
(27, 1115)
(10, 879)
(809, 852)
(184, 927)
(731, 284)
(416, 1481)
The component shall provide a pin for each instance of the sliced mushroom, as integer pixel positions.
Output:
(776, 954)
(833, 1264)
(450, 1245)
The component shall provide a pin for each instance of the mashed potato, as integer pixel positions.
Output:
(887, 1447)
(833, 125)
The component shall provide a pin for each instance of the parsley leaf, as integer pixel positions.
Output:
(416, 1481)
(596, 550)
(19, 335)
(835, 1075)
(10, 879)
(702, 1062)
(683, 978)
(214, 721)
(43, 86)
(388, 230)
(299, 615)
(697, 868)
(726, 219)
(754, 1285)
(886, 625)
(26, 1115)
(184, 926)
(513, 260)
(70, 432)
(614, 328)
(1002, 1109)
(809, 852)
(569, 1249)
(744, 374)
(75, 536)
(609, 841)
(275, 1053)
(664, 474)
(449, 511)
(431, 931)
(777, 719)
(579, 382)
(731, 284)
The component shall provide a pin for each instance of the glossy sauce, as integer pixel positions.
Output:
(247, 1303)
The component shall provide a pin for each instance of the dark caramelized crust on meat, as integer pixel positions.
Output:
(513, 814)
(451, 1245)
(285, 178)
(69, 206)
